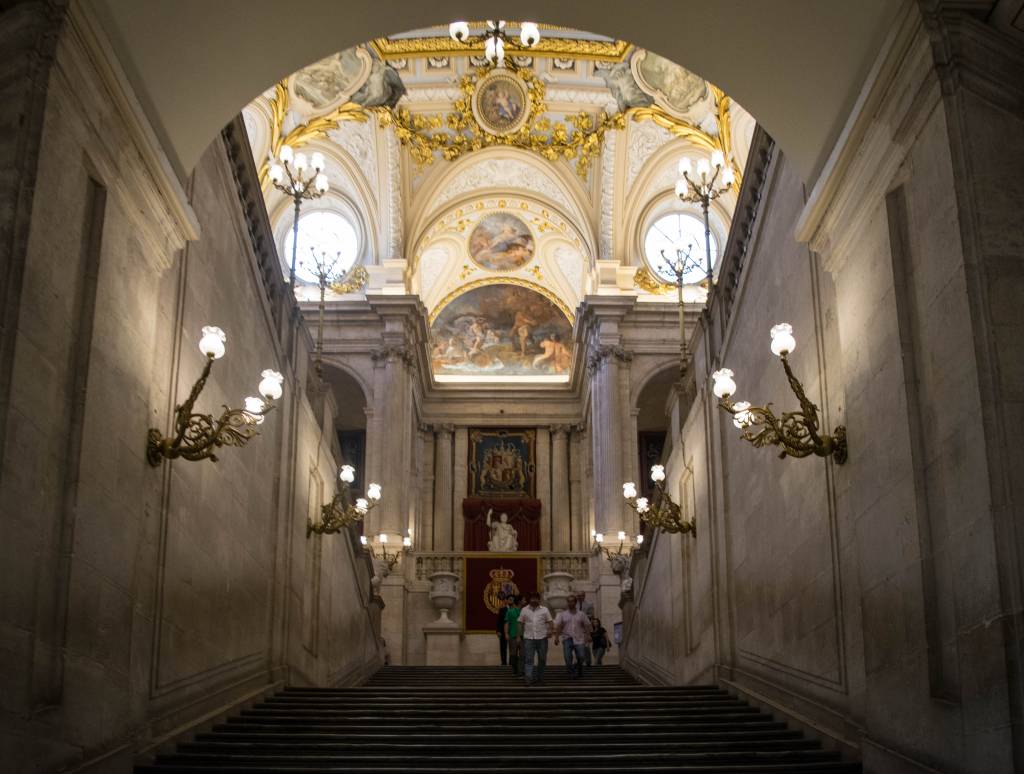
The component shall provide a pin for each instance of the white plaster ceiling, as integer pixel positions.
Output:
(796, 65)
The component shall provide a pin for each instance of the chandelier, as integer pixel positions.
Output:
(495, 40)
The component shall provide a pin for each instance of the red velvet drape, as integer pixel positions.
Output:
(523, 515)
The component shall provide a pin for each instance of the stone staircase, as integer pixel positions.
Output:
(481, 719)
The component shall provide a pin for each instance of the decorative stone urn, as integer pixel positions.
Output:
(443, 595)
(558, 587)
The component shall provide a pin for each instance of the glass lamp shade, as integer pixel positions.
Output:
(728, 177)
(685, 166)
(301, 161)
(639, 540)
(657, 473)
(322, 183)
(490, 49)
(361, 505)
(642, 505)
(724, 385)
(742, 416)
(348, 474)
(703, 167)
(599, 537)
(682, 187)
(276, 173)
(254, 407)
(317, 160)
(407, 542)
(621, 536)
(529, 34)
(782, 339)
(270, 385)
(373, 491)
(362, 540)
(499, 51)
(211, 343)
(459, 31)
(287, 154)
(717, 158)
(382, 537)
(629, 490)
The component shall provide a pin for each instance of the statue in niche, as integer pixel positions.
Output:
(503, 535)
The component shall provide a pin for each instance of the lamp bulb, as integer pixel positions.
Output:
(621, 536)
(287, 154)
(629, 490)
(373, 491)
(782, 339)
(717, 159)
(642, 505)
(276, 173)
(724, 385)
(322, 183)
(348, 474)
(255, 407)
(742, 416)
(361, 505)
(599, 537)
(657, 473)
(639, 540)
(685, 166)
(459, 31)
(317, 160)
(529, 34)
(270, 384)
(703, 168)
(211, 343)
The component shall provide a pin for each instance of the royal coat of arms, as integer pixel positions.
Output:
(500, 588)
(501, 463)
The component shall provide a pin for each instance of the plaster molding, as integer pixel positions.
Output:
(606, 239)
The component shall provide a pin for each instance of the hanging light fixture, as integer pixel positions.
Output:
(796, 433)
(621, 556)
(199, 436)
(302, 178)
(711, 180)
(494, 39)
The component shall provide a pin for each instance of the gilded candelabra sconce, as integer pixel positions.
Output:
(622, 556)
(796, 433)
(703, 188)
(663, 513)
(390, 561)
(302, 178)
(495, 39)
(199, 436)
(679, 267)
(341, 511)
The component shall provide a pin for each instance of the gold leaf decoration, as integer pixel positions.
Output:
(355, 280)
(645, 280)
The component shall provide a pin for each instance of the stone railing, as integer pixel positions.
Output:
(576, 564)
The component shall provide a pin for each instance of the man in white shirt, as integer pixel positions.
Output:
(573, 626)
(535, 623)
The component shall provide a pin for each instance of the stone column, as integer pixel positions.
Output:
(423, 537)
(606, 424)
(442, 527)
(392, 443)
(460, 485)
(561, 489)
(578, 528)
(543, 446)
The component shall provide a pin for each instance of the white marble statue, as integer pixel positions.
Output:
(503, 535)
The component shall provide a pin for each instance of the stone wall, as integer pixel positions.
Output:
(876, 602)
(138, 600)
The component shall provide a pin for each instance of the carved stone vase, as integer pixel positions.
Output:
(444, 594)
(558, 587)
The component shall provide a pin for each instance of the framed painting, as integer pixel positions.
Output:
(502, 463)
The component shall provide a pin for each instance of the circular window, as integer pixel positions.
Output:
(322, 231)
(678, 231)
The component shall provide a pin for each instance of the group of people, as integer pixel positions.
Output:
(523, 631)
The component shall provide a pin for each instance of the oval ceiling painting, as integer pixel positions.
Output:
(501, 242)
(501, 330)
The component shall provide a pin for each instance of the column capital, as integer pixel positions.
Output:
(560, 431)
(602, 353)
(443, 428)
(393, 353)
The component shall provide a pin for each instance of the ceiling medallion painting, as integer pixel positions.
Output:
(461, 131)
(501, 329)
(501, 242)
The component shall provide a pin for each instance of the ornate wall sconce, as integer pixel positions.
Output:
(199, 436)
(384, 559)
(341, 511)
(794, 432)
(663, 512)
(621, 557)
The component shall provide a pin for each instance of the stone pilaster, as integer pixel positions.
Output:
(461, 484)
(392, 465)
(543, 447)
(606, 363)
(443, 527)
(423, 536)
(561, 489)
(578, 526)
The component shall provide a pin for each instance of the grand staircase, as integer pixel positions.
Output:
(481, 719)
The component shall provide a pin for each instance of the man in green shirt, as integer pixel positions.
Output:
(514, 635)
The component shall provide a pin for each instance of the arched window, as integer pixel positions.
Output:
(678, 231)
(325, 231)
